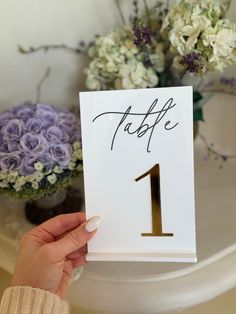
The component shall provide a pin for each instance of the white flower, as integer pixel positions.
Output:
(117, 63)
(57, 169)
(52, 178)
(223, 42)
(17, 187)
(37, 176)
(137, 76)
(38, 166)
(220, 41)
(77, 154)
(158, 58)
(92, 82)
(71, 165)
(21, 181)
(35, 185)
(3, 174)
(79, 167)
(4, 184)
(12, 176)
(197, 25)
(76, 145)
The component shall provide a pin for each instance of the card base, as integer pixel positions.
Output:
(184, 257)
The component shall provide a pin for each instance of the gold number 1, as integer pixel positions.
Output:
(154, 173)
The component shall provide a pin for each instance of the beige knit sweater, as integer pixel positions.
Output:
(28, 300)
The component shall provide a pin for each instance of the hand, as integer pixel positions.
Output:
(50, 252)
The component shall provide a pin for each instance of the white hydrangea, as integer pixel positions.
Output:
(197, 25)
(117, 63)
(222, 41)
(136, 76)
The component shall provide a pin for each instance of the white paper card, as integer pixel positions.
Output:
(138, 172)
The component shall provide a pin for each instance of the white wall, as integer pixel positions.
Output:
(38, 22)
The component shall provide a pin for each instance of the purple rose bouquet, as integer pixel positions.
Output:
(40, 150)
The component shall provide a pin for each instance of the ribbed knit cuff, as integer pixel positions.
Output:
(28, 300)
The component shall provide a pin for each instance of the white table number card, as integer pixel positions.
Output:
(138, 172)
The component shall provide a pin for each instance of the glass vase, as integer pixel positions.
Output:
(64, 201)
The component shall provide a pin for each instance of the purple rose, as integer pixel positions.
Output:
(46, 117)
(61, 153)
(25, 112)
(33, 143)
(75, 134)
(65, 136)
(13, 129)
(44, 107)
(1, 139)
(27, 167)
(33, 125)
(5, 117)
(67, 120)
(13, 145)
(54, 134)
(11, 161)
(47, 161)
(4, 147)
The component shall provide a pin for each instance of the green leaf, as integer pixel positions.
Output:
(198, 114)
(197, 96)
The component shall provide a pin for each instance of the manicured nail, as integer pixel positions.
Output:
(93, 224)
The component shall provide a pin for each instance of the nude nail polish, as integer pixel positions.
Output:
(93, 224)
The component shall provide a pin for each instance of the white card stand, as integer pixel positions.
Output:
(138, 171)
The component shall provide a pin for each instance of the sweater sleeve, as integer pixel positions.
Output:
(28, 300)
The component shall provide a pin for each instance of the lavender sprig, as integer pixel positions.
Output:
(193, 62)
(141, 33)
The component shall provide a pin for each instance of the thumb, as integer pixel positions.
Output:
(77, 238)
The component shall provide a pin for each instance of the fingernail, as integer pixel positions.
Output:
(93, 224)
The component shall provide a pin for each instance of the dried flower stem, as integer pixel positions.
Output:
(167, 4)
(214, 152)
(117, 2)
(147, 11)
(228, 5)
(40, 83)
(45, 48)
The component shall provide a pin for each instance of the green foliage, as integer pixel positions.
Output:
(27, 193)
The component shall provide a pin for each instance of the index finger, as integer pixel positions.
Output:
(58, 225)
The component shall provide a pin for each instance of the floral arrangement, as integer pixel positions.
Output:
(161, 46)
(118, 63)
(201, 38)
(191, 36)
(40, 150)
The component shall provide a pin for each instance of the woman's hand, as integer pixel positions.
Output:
(51, 251)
